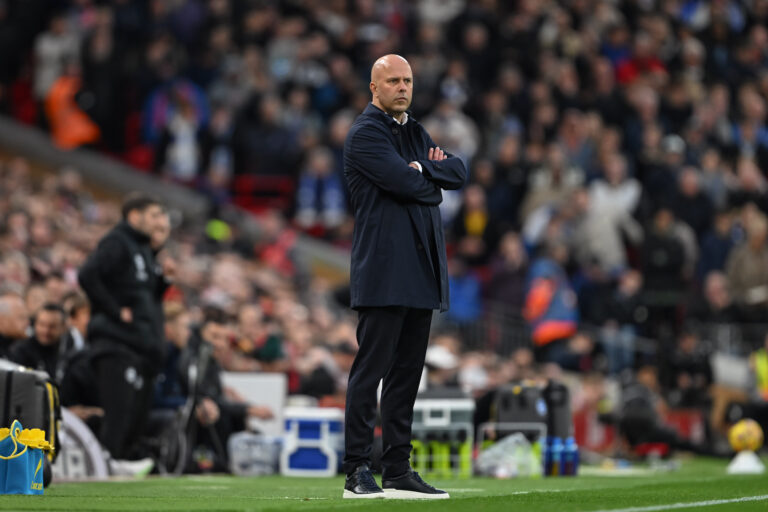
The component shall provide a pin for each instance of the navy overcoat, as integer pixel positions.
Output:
(398, 247)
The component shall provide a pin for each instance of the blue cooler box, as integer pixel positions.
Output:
(314, 441)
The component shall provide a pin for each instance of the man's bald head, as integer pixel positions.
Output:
(392, 84)
(386, 63)
(14, 318)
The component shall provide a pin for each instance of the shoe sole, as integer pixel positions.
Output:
(369, 496)
(397, 494)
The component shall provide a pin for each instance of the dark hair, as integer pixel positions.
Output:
(51, 307)
(56, 274)
(138, 201)
(73, 302)
(215, 315)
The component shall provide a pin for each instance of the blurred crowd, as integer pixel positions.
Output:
(615, 214)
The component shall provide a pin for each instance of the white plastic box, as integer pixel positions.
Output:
(314, 441)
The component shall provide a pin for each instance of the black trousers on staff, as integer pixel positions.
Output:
(125, 382)
(393, 344)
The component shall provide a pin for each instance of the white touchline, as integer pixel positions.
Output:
(671, 506)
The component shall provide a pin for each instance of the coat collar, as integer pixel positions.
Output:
(374, 111)
(133, 232)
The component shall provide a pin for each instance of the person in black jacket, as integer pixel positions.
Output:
(44, 349)
(219, 411)
(124, 285)
(395, 174)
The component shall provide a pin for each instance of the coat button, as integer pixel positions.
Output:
(394, 131)
(420, 246)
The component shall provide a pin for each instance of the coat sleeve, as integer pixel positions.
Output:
(20, 354)
(106, 259)
(371, 153)
(448, 174)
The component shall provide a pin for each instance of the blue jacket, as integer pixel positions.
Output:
(398, 246)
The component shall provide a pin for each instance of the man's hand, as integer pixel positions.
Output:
(436, 154)
(207, 412)
(126, 315)
(260, 411)
(84, 412)
(169, 267)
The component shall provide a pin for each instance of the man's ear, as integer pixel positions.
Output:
(372, 87)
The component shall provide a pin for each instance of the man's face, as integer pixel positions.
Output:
(79, 320)
(49, 326)
(178, 331)
(146, 220)
(152, 219)
(216, 334)
(160, 231)
(14, 318)
(392, 84)
(250, 324)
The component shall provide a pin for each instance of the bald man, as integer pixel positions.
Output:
(14, 321)
(395, 174)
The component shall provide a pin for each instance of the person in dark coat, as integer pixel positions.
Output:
(123, 283)
(395, 174)
(44, 349)
(219, 412)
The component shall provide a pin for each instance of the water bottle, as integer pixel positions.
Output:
(570, 458)
(554, 456)
(546, 456)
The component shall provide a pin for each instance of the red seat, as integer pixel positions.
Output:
(646, 449)
(259, 192)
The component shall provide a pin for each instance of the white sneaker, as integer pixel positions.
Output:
(132, 468)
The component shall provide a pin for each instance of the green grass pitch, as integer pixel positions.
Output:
(701, 482)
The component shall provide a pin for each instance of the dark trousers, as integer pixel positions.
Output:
(393, 344)
(125, 383)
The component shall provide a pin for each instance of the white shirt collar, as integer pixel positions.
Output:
(405, 119)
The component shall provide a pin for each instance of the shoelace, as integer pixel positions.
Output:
(418, 478)
(366, 478)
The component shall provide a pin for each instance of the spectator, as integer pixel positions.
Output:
(178, 149)
(53, 49)
(716, 306)
(642, 411)
(169, 392)
(35, 297)
(78, 311)
(716, 244)
(691, 204)
(622, 315)
(70, 126)
(663, 255)
(219, 411)
(442, 367)
(327, 371)
(550, 303)
(475, 231)
(598, 234)
(320, 196)
(747, 269)
(552, 184)
(14, 321)
(217, 158)
(466, 298)
(44, 349)
(506, 286)
(689, 374)
(615, 193)
(259, 340)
